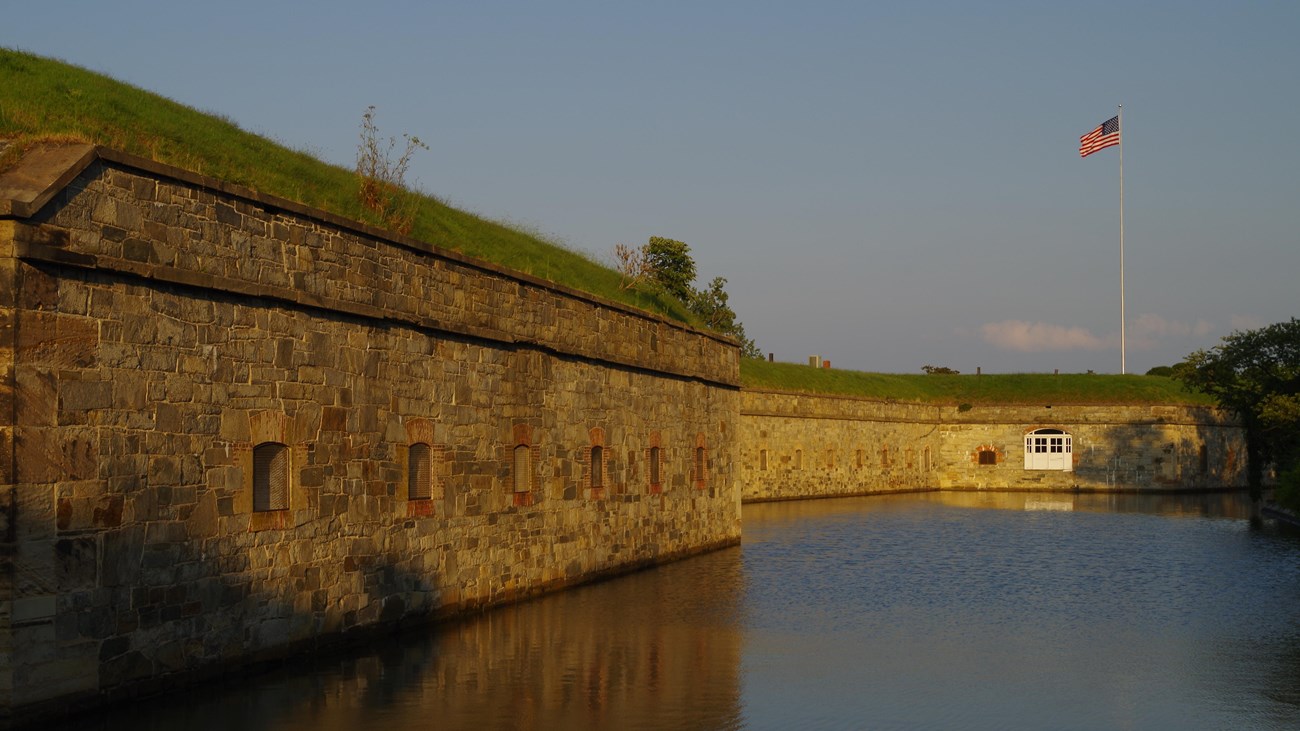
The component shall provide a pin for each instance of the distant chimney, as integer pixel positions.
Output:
(826, 363)
(815, 361)
(771, 357)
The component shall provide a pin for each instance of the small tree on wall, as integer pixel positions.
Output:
(667, 264)
(671, 266)
(632, 266)
(382, 178)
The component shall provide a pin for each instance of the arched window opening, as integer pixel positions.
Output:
(762, 459)
(656, 481)
(988, 457)
(798, 459)
(1049, 449)
(419, 472)
(700, 461)
(597, 466)
(523, 470)
(270, 477)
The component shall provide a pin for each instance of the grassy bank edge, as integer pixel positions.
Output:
(1007, 388)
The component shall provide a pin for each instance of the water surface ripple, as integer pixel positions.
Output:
(953, 611)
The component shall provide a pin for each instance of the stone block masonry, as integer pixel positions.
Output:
(235, 428)
(797, 445)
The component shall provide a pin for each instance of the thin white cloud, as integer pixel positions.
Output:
(1037, 337)
(1145, 332)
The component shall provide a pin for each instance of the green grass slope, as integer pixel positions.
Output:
(1015, 388)
(44, 99)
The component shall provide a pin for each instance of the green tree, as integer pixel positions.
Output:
(667, 264)
(671, 266)
(1256, 375)
(711, 305)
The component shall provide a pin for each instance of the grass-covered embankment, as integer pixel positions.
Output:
(44, 99)
(1012, 388)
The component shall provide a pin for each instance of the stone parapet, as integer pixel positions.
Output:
(131, 215)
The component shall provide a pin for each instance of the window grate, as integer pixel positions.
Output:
(419, 476)
(270, 477)
(597, 466)
(523, 468)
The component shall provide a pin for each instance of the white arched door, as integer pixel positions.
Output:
(1049, 449)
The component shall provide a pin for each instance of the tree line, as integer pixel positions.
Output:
(665, 265)
(1255, 374)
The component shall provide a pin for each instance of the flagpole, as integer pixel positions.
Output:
(1123, 335)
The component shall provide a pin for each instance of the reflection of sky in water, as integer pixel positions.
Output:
(937, 615)
(973, 611)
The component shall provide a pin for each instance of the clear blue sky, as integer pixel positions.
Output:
(886, 184)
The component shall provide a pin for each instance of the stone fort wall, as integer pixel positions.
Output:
(796, 445)
(436, 434)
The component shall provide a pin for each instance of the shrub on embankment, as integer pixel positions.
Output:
(1008, 388)
(44, 99)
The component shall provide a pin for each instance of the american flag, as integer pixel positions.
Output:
(1106, 135)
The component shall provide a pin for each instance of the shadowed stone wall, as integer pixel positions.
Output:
(158, 326)
(795, 445)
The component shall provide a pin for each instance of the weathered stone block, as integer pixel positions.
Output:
(77, 562)
(235, 425)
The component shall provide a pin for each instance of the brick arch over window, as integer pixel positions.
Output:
(524, 459)
(654, 461)
(700, 462)
(423, 469)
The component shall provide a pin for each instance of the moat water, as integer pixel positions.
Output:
(933, 611)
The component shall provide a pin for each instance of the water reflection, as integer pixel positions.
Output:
(979, 610)
(952, 610)
(658, 649)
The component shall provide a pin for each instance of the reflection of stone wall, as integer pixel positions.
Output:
(160, 325)
(658, 649)
(802, 445)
